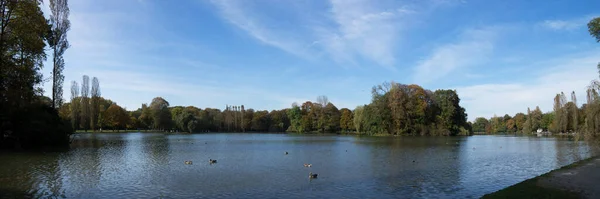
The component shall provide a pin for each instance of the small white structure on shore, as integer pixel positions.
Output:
(540, 130)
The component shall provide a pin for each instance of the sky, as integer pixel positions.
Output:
(500, 56)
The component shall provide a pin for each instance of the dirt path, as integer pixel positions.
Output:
(578, 180)
(582, 177)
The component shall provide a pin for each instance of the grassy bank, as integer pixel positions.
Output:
(532, 188)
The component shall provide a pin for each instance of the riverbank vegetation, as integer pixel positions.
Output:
(395, 109)
(27, 118)
(567, 117)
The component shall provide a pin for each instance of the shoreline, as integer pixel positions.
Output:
(576, 180)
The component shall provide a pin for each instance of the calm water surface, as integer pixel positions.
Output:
(144, 165)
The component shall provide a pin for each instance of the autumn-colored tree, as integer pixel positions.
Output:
(573, 111)
(510, 126)
(116, 117)
(346, 120)
(146, 119)
(519, 119)
(308, 116)
(331, 118)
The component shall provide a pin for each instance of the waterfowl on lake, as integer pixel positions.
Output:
(286, 152)
(312, 175)
(307, 165)
(187, 162)
(212, 161)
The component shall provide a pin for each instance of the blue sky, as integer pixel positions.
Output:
(500, 56)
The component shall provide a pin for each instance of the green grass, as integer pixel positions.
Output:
(531, 188)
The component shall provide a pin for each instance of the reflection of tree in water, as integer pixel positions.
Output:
(157, 149)
(146, 158)
(569, 151)
(415, 167)
(31, 175)
(86, 160)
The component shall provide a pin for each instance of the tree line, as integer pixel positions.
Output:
(27, 118)
(566, 116)
(395, 109)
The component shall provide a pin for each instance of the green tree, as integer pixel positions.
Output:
(59, 21)
(331, 118)
(260, 121)
(75, 104)
(278, 121)
(95, 104)
(358, 119)
(574, 112)
(183, 118)
(480, 124)
(161, 115)
(248, 116)
(295, 116)
(25, 115)
(452, 116)
(594, 28)
(85, 103)
(548, 121)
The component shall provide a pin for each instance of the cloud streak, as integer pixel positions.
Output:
(356, 28)
(473, 47)
(567, 24)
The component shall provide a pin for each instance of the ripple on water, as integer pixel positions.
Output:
(135, 165)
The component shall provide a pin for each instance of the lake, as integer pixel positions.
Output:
(151, 165)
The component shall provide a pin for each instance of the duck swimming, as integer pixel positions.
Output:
(312, 175)
(187, 162)
(307, 165)
(212, 161)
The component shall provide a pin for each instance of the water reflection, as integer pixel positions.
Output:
(255, 165)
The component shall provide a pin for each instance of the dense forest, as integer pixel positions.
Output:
(396, 109)
(27, 118)
(565, 117)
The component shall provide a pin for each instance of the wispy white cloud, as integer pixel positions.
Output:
(563, 74)
(566, 24)
(246, 19)
(473, 47)
(561, 24)
(365, 29)
(357, 28)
